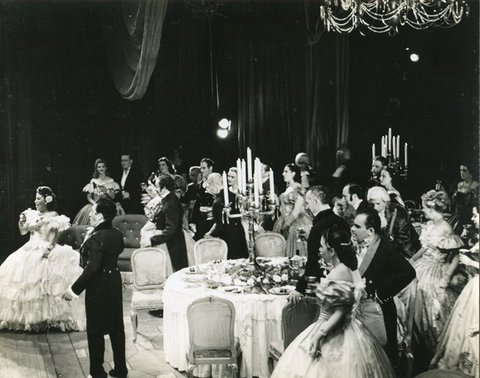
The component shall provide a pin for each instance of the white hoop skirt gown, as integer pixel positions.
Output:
(349, 351)
(32, 286)
(458, 347)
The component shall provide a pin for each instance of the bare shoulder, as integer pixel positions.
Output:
(341, 273)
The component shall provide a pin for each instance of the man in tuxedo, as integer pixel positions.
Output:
(354, 195)
(103, 284)
(131, 191)
(169, 222)
(317, 200)
(386, 273)
(203, 202)
(190, 196)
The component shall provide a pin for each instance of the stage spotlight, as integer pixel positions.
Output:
(222, 133)
(225, 124)
(414, 57)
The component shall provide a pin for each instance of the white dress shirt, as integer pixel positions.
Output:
(124, 177)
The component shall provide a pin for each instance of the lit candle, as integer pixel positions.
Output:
(382, 149)
(225, 189)
(249, 164)
(255, 188)
(373, 152)
(239, 176)
(389, 141)
(244, 177)
(258, 172)
(398, 147)
(272, 187)
(394, 146)
(406, 155)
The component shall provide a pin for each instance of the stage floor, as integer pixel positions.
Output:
(54, 354)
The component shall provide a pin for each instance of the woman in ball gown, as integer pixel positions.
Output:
(434, 264)
(293, 217)
(458, 347)
(386, 180)
(34, 278)
(100, 185)
(232, 232)
(464, 199)
(337, 345)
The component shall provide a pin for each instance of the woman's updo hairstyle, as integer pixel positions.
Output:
(48, 196)
(95, 172)
(295, 169)
(437, 200)
(339, 240)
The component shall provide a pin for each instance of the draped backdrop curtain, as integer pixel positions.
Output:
(132, 33)
(292, 92)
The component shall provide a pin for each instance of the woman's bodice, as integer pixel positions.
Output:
(98, 187)
(434, 242)
(336, 293)
(289, 197)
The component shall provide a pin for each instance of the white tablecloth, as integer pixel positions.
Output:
(257, 322)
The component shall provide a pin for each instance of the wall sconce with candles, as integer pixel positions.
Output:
(251, 200)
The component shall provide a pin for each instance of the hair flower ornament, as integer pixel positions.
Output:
(48, 199)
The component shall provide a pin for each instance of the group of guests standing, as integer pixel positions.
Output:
(360, 247)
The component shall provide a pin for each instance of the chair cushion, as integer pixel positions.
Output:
(276, 349)
(147, 299)
(72, 236)
(218, 353)
(130, 225)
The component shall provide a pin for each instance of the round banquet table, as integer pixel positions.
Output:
(257, 320)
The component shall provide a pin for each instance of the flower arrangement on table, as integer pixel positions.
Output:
(243, 274)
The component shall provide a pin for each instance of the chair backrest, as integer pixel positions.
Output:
(270, 244)
(130, 226)
(149, 268)
(210, 249)
(72, 236)
(211, 323)
(297, 317)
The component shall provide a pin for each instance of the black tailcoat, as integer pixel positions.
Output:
(322, 222)
(133, 204)
(169, 220)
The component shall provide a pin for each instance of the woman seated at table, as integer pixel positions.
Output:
(293, 216)
(386, 180)
(337, 345)
(232, 232)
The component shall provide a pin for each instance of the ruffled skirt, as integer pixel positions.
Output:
(31, 289)
(352, 352)
(433, 304)
(458, 347)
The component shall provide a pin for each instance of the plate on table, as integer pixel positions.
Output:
(232, 289)
(282, 290)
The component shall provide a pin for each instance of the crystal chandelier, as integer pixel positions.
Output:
(385, 16)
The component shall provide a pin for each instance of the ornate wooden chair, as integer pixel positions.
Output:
(149, 276)
(211, 323)
(442, 374)
(270, 244)
(295, 319)
(210, 249)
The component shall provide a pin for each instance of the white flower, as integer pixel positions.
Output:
(285, 277)
(238, 282)
(48, 199)
(266, 281)
(276, 278)
(250, 282)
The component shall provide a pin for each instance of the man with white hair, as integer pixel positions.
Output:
(309, 177)
(394, 219)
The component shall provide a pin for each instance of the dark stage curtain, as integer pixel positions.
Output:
(132, 31)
